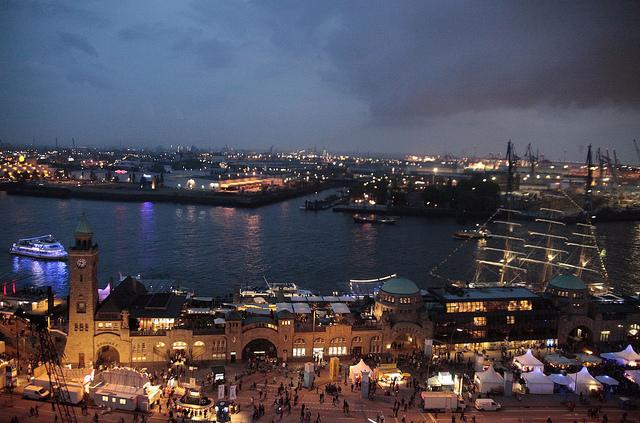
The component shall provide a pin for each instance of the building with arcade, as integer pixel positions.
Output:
(131, 325)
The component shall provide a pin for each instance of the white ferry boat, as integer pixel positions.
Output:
(41, 247)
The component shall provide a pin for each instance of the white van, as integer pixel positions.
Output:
(35, 393)
(487, 404)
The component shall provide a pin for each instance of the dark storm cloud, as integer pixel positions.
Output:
(420, 59)
(414, 76)
(77, 42)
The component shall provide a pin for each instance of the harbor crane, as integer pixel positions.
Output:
(48, 354)
(512, 165)
(635, 143)
(532, 158)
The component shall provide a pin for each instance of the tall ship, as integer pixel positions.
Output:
(42, 247)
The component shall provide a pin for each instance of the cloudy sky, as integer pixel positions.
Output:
(368, 76)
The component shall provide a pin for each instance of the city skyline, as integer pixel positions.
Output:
(379, 77)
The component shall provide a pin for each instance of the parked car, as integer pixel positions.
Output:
(35, 393)
(487, 404)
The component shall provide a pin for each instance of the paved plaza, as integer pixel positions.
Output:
(530, 409)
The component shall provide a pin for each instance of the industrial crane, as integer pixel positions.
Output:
(635, 143)
(532, 158)
(52, 362)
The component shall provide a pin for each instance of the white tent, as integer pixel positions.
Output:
(607, 380)
(489, 380)
(538, 382)
(561, 379)
(527, 362)
(356, 370)
(622, 357)
(583, 381)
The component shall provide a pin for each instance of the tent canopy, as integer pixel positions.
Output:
(490, 376)
(356, 370)
(527, 360)
(488, 380)
(607, 380)
(538, 382)
(561, 379)
(560, 360)
(624, 356)
(583, 381)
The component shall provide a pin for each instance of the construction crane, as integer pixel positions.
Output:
(635, 143)
(532, 158)
(512, 165)
(48, 354)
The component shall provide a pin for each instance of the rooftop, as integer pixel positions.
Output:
(83, 226)
(400, 286)
(568, 283)
(493, 293)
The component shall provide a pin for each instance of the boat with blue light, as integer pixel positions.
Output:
(45, 247)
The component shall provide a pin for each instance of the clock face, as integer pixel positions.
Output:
(81, 263)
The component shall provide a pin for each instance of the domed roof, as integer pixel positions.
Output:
(400, 286)
(568, 283)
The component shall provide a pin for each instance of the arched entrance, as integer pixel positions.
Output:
(580, 336)
(259, 349)
(107, 355)
(404, 342)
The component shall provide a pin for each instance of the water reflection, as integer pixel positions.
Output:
(33, 272)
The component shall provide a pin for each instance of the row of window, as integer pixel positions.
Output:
(484, 306)
(482, 320)
(82, 327)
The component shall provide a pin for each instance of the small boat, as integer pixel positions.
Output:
(374, 219)
(480, 233)
(42, 247)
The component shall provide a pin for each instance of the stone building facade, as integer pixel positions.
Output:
(133, 326)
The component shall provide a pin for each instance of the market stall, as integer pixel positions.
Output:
(489, 381)
(583, 382)
(625, 357)
(558, 361)
(355, 371)
(560, 379)
(537, 382)
(527, 362)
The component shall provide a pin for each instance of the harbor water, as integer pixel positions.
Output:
(214, 250)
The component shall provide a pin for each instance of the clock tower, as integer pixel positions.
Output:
(83, 296)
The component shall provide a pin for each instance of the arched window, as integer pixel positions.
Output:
(198, 344)
(179, 345)
(338, 346)
(299, 347)
(356, 340)
(160, 345)
(375, 345)
(318, 341)
(634, 329)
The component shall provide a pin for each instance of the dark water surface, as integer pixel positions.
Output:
(213, 250)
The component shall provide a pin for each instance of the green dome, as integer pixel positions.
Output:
(400, 286)
(567, 283)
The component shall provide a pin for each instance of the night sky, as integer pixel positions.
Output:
(368, 76)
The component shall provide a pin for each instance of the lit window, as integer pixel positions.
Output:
(480, 321)
(634, 329)
(105, 398)
(299, 352)
(123, 401)
(511, 320)
(604, 336)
